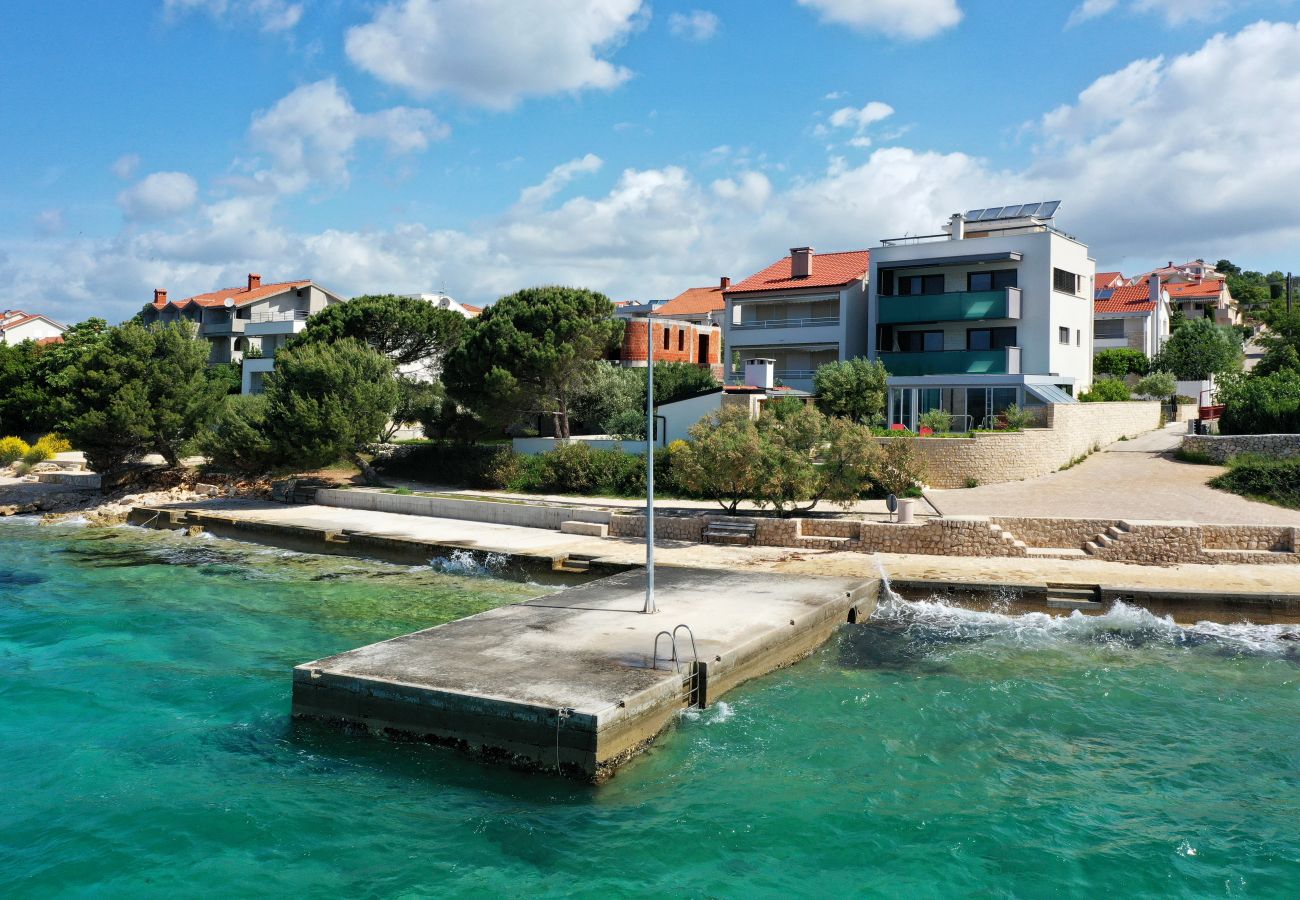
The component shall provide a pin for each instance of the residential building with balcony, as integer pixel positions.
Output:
(1132, 316)
(245, 324)
(996, 311)
(801, 312)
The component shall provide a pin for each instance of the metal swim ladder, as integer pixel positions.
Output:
(697, 678)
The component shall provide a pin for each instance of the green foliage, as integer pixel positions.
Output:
(325, 401)
(853, 389)
(34, 378)
(227, 376)
(528, 353)
(12, 449)
(604, 390)
(1158, 384)
(723, 461)
(937, 420)
(1261, 404)
(1263, 478)
(407, 330)
(415, 399)
(626, 425)
(1199, 350)
(135, 390)
(1120, 361)
(1281, 343)
(454, 464)
(1196, 457)
(46, 448)
(1106, 390)
(901, 468)
(19, 389)
(1017, 418)
(576, 468)
(236, 438)
(677, 380)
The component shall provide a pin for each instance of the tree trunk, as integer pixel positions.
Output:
(367, 471)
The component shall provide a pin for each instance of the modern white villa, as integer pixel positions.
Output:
(802, 311)
(1134, 316)
(996, 311)
(247, 323)
(17, 326)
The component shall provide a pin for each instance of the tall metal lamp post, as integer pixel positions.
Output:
(649, 465)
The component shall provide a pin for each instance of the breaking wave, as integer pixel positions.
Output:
(466, 562)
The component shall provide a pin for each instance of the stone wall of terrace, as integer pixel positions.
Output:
(1222, 447)
(1072, 430)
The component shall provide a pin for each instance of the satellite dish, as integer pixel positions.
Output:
(228, 302)
(891, 503)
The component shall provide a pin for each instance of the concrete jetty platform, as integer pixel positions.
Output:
(569, 681)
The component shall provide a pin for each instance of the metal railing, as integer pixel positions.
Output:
(296, 315)
(807, 322)
(782, 374)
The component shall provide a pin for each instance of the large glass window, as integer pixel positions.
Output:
(990, 338)
(920, 341)
(1103, 329)
(911, 285)
(1064, 281)
(994, 280)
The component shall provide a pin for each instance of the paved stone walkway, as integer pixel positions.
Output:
(1136, 479)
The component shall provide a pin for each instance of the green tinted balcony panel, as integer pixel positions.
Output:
(958, 306)
(947, 362)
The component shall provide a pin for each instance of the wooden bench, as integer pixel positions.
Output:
(740, 533)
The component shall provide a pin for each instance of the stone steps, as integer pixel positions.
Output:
(1113, 535)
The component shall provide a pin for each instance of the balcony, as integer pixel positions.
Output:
(958, 306)
(812, 322)
(954, 362)
(291, 322)
(226, 326)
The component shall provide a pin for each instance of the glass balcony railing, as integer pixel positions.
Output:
(954, 362)
(959, 306)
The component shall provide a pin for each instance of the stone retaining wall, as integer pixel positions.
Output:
(1221, 447)
(1072, 430)
(1141, 543)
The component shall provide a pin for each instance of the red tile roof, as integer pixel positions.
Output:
(1132, 298)
(1108, 279)
(1194, 289)
(472, 310)
(50, 340)
(694, 302)
(240, 295)
(18, 317)
(828, 270)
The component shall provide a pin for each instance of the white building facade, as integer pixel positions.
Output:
(997, 311)
(17, 326)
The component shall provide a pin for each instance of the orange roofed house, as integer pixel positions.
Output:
(247, 323)
(17, 326)
(803, 311)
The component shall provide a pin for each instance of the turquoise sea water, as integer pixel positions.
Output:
(146, 750)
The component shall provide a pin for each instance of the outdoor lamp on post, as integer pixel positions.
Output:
(649, 466)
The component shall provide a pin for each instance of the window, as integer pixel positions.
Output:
(912, 285)
(667, 337)
(994, 280)
(920, 341)
(1078, 337)
(1105, 329)
(990, 338)
(1063, 334)
(1066, 282)
(681, 340)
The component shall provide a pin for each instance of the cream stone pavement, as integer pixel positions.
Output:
(1134, 479)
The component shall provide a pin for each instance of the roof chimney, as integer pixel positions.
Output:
(760, 373)
(1154, 287)
(956, 227)
(254, 281)
(159, 296)
(801, 262)
(724, 282)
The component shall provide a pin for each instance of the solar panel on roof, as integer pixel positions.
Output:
(993, 212)
(1049, 209)
(1030, 209)
(1044, 210)
(972, 215)
(1104, 293)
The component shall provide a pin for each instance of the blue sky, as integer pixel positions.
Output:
(484, 145)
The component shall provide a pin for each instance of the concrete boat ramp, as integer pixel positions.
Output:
(570, 681)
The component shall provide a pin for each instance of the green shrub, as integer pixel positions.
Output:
(1196, 457)
(900, 469)
(1120, 361)
(1106, 390)
(12, 449)
(236, 438)
(1263, 478)
(454, 464)
(936, 420)
(1261, 404)
(1158, 384)
(1018, 418)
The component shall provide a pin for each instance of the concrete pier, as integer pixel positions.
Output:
(569, 681)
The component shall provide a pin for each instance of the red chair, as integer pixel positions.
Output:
(897, 427)
(926, 431)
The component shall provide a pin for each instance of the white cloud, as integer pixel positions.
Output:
(859, 119)
(270, 15)
(907, 19)
(1175, 12)
(49, 222)
(493, 52)
(159, 196)
(310, 135)
(750, 190)
(124, 166)
(558, 177)
(697, 25)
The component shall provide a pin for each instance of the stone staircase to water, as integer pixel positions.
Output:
(1107, 539)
